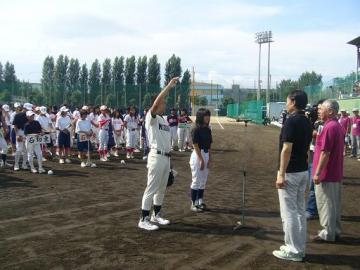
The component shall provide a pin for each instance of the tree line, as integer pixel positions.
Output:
(120, 82)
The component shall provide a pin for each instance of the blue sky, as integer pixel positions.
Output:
(216, 37)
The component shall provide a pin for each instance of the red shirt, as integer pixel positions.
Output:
(355, 125)
(345, 122)
(331, 139)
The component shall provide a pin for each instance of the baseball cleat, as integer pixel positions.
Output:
(42, 171)
(61, 161)
(146, 225)
(68, 161)
(83, 165)
(159, 220)
(33, 170)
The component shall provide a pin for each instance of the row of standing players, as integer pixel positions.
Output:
(101, 127)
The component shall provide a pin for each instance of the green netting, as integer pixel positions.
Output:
(247, 110)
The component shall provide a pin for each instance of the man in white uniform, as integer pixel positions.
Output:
(158, 162)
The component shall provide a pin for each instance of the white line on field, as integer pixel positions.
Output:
(217, 119)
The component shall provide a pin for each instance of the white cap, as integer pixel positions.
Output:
(17, 105)
(103, 108)
(6, 108)
(85, 108)
(342, 110)
(29, 113)
(64, 109)
(28, 106)
(43, 109)
(355, 110)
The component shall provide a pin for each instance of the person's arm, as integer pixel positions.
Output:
(323, 160)
(284, 162)
(154, 108)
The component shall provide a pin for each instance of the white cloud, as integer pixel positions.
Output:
(211, 35)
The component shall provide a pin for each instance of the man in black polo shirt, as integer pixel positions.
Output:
(292, 178)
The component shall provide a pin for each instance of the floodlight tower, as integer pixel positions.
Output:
(261, 38)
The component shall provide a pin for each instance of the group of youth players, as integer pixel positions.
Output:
(44, 132)
(58, 130)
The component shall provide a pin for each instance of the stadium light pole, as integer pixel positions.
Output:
(261, 38)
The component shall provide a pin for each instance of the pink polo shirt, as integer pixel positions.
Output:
(355, 126)
(345, 122)
(331, 139)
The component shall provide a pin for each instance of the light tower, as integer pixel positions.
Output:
(261, 38)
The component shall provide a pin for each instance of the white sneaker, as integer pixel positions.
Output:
(132, 155)
(144, 158)
(79, 156)
(106, 158)
(128, 156)
(42, 170)
(102, 159)
(16, 168)
(68, 161)
(1, 164)
(146, 225)
(108, 155)
(159, 220)
(44, 159)
(116, 154)
(83, 165)
(93, 165)
(33, 170)
(195, 208)
(61, 161)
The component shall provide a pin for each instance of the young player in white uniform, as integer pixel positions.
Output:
(131, 125)
(118, 129)
(200, 159)
(3, 143)
(63, 125)
(47, 127)
(173, 121)
(158, 162)
(31, 128)
(184, 130)
(104, 122)
(84, 132)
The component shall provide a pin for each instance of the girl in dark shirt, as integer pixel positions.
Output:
(200, 159)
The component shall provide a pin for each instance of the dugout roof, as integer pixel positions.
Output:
(355, 42)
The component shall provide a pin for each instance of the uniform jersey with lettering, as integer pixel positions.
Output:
(158, 132)
(104, 121)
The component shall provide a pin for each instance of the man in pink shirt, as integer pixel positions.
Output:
(328, 172)
(345, 122)
(355, 134)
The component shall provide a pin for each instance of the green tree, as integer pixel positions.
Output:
(1, 73)
(60, 79)
(285, 87)
(172, 69)
(73, 76)
(184, 100)
(309, 79)
(141, 76)
(154, 76)
(226, 101)
(84, 77)
(118, 80)
(47, 80)
(10, 79)
(76, 98)
(94, 83)
(106, 79)
(130, 93)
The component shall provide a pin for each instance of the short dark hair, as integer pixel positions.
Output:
(83, 112)
(200, 114)
(300, 98)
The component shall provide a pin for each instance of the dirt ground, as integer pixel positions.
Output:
(87, 218)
